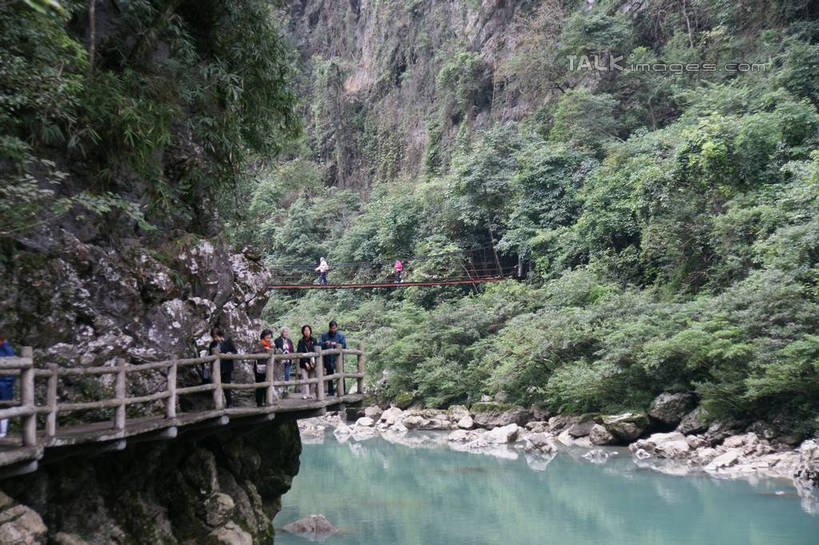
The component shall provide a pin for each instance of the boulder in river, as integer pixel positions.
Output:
(662, 445)
(502, 434)
(313, 527)
(807, 472)
(694, 422)
(391, 416)
(493, 415)
(581, 429)
(669, 409)
(599, 435)
(626, 427)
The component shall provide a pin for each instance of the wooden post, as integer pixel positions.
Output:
(170, 408)
(270, 392)
(340, 371)
(51, 400)
(361, 368)
(216, 377)
(320, 375)
(120, 391)
(27, 399)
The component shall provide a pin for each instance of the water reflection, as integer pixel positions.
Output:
(378, 492)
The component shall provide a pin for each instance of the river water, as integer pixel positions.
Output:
(382, 493)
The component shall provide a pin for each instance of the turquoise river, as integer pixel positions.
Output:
(377, 492)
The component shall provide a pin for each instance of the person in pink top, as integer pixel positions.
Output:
(398, 268)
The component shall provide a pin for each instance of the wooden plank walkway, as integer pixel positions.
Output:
(24, 452)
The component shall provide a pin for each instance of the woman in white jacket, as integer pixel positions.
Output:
(322, 269)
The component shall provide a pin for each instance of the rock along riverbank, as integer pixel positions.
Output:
(688, 445)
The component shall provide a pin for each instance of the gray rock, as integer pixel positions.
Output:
(537, 426)
(581, 429)
(626, 427)
(466, 423)
(365, 421)
(391, 416)
(560, 422)
(539, 442)
(807, 471)
(311, 527)
(489, 415)
(414, 422)
(63, 538)
(662, 445)
(457, 413)
(229, 534)
(726, 459)
(502, 434)
(694, 422)
(599, 435)
(218, 508)
(373, 412)
(670, 408)
(19, 524)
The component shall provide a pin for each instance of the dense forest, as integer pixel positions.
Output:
(665, 212)
(668, 218)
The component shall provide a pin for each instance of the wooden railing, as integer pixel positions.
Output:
(27, 410)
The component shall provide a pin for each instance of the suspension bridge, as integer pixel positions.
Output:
(459, 267)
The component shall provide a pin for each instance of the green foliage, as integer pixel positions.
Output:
(584, 119)
(180, 97)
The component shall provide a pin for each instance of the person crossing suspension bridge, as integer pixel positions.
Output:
(473, 272)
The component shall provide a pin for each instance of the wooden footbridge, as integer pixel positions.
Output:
(45, 430)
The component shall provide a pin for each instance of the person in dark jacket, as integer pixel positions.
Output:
(263, 345)
(332, 340)
(307, 366)
(284, 345)
(226, 346)
(6, 383)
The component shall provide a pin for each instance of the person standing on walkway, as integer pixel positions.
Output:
(6, 382)
(226, 346)
(307, 366)
(284, 345)
(322, 269)
(332, 340)
(263, 346)
(398, 268)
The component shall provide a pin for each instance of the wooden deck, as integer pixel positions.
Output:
(27, 450)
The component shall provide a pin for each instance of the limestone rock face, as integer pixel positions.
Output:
(80, 304)
(229, 534)
(221, 489)
(219, 508)
(19, 524)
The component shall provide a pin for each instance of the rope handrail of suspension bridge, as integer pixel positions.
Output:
(487, 272)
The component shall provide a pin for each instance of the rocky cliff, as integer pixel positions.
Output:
(391, 85)
(220, 489)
